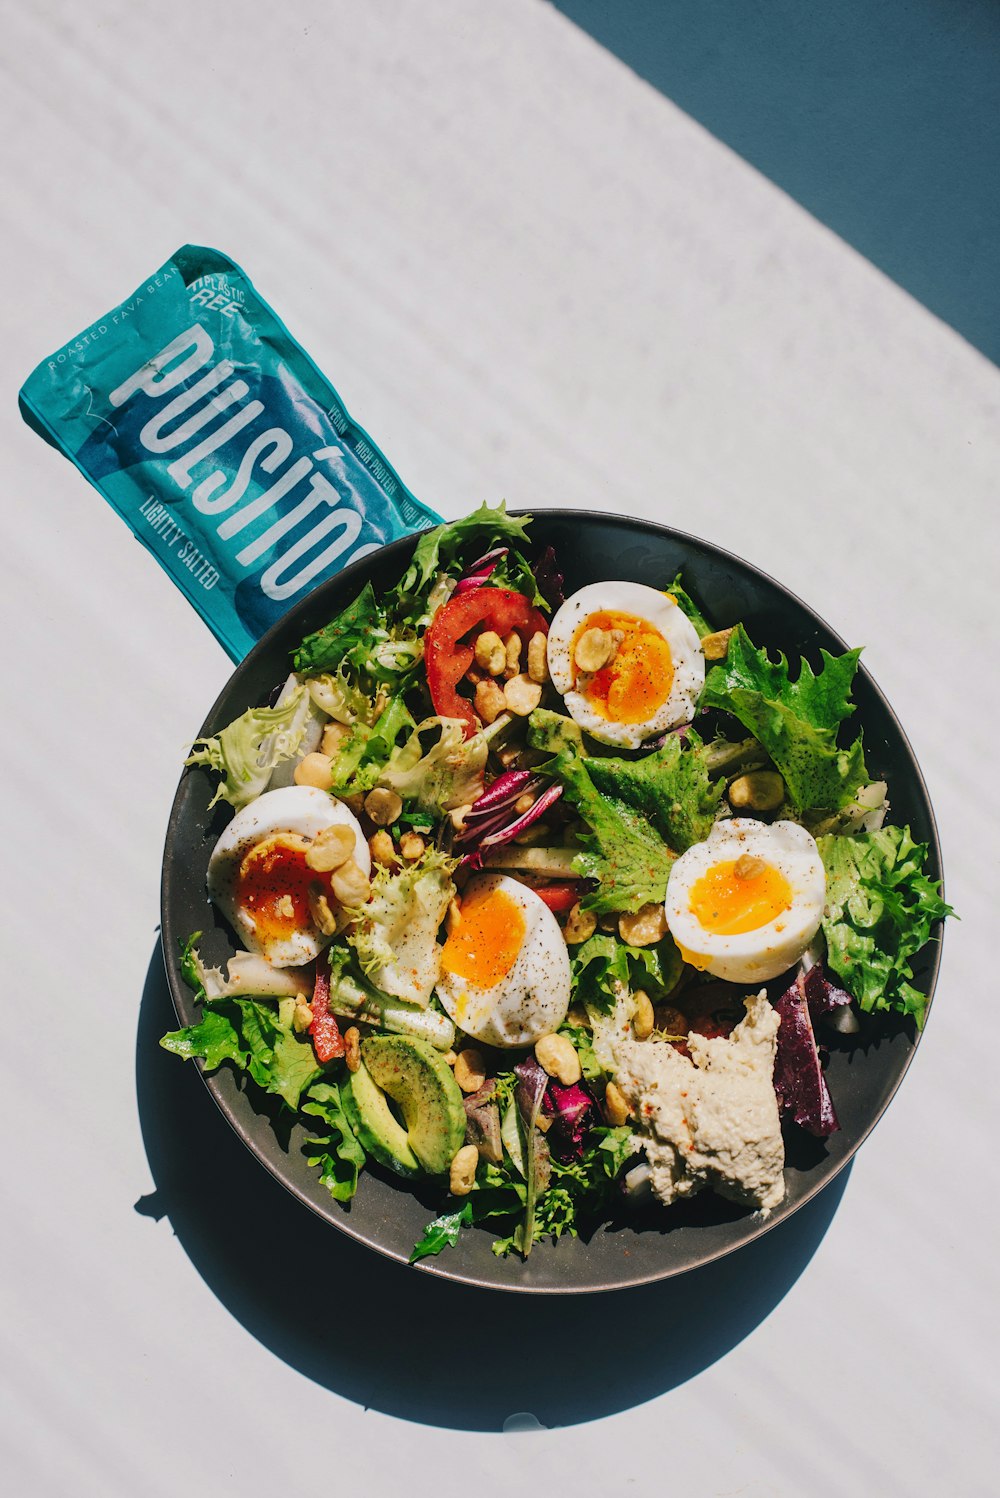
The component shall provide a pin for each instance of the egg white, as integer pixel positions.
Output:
(303, 809)
(660, 611)
(532, 999)
(752, 956)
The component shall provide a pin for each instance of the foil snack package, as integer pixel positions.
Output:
(224, 449)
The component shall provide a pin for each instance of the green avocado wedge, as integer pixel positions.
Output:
(419, 1080)
(378, 1131)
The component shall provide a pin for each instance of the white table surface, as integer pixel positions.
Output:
(529, 275)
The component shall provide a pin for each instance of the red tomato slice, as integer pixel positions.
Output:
(447, 658)
(328, 1043)
(558, 897)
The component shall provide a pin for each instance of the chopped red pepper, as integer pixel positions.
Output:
(447, 658)
(558, 897)
(328, 1043)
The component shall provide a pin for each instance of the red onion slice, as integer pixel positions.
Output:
(467, 584)
(496, 836)
(506, 787)
(526, 820)
(480, 571)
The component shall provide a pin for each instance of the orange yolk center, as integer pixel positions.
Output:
(636, 681)
(729, 903)
(273, 886)
(485, 944)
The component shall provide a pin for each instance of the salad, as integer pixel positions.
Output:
(552, 903)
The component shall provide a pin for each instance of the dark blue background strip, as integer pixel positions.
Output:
(881, 117)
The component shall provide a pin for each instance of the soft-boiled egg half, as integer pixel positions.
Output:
(745, 904)
(627, 661)
(259, 878)
(505, 977)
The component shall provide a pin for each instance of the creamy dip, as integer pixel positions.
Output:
(711, 1121)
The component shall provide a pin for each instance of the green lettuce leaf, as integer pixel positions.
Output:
(579, 1191)
(670, 787)
(247, 750)
(366, 751)
(515, 573)
(339, 1157)
(602, 961)
(345, 637)
(213, 1040)
(442, 1233)
(281, 1061)
(192, 969)
(795, 721)
(880, 908)
(447, 773)
(689, 607)
(580, 1039)
(439, 550)
(365, 646)
(620, 851)
(259, 1038)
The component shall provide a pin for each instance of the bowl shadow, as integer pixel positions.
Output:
(376, 1333)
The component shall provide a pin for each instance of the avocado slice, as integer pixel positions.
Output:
(418, 1078)
(553, 732)
(379, 1132)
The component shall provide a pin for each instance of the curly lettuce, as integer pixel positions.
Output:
(439, 550)
(881, 907)
(603, 962)
(628, 860)
(338, 1155)
(795, 721)
(367, 750)
(670, 786)
(247, 750)
(395, 933)
(258, 1038)
(247, 975)
(448, 773)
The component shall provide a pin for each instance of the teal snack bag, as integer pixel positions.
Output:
(224, 449)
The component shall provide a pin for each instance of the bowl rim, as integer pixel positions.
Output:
(355, 574)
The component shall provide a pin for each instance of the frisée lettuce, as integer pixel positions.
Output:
(247, 750)
(881, 906)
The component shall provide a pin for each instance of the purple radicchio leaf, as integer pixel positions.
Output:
(572, 1112)
(497, 833)
(505, 789)
(548, 579)
(530, 1090)
(822, 996)
(798, 1075)
(482, 1123)
(528, 1096)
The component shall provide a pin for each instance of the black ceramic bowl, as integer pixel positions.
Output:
(387, 1214)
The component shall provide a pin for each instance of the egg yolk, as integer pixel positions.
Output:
(485, 944)
(636, 681)
(273, 886)
(740, 895)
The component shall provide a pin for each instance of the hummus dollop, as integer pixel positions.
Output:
(711, 1121)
